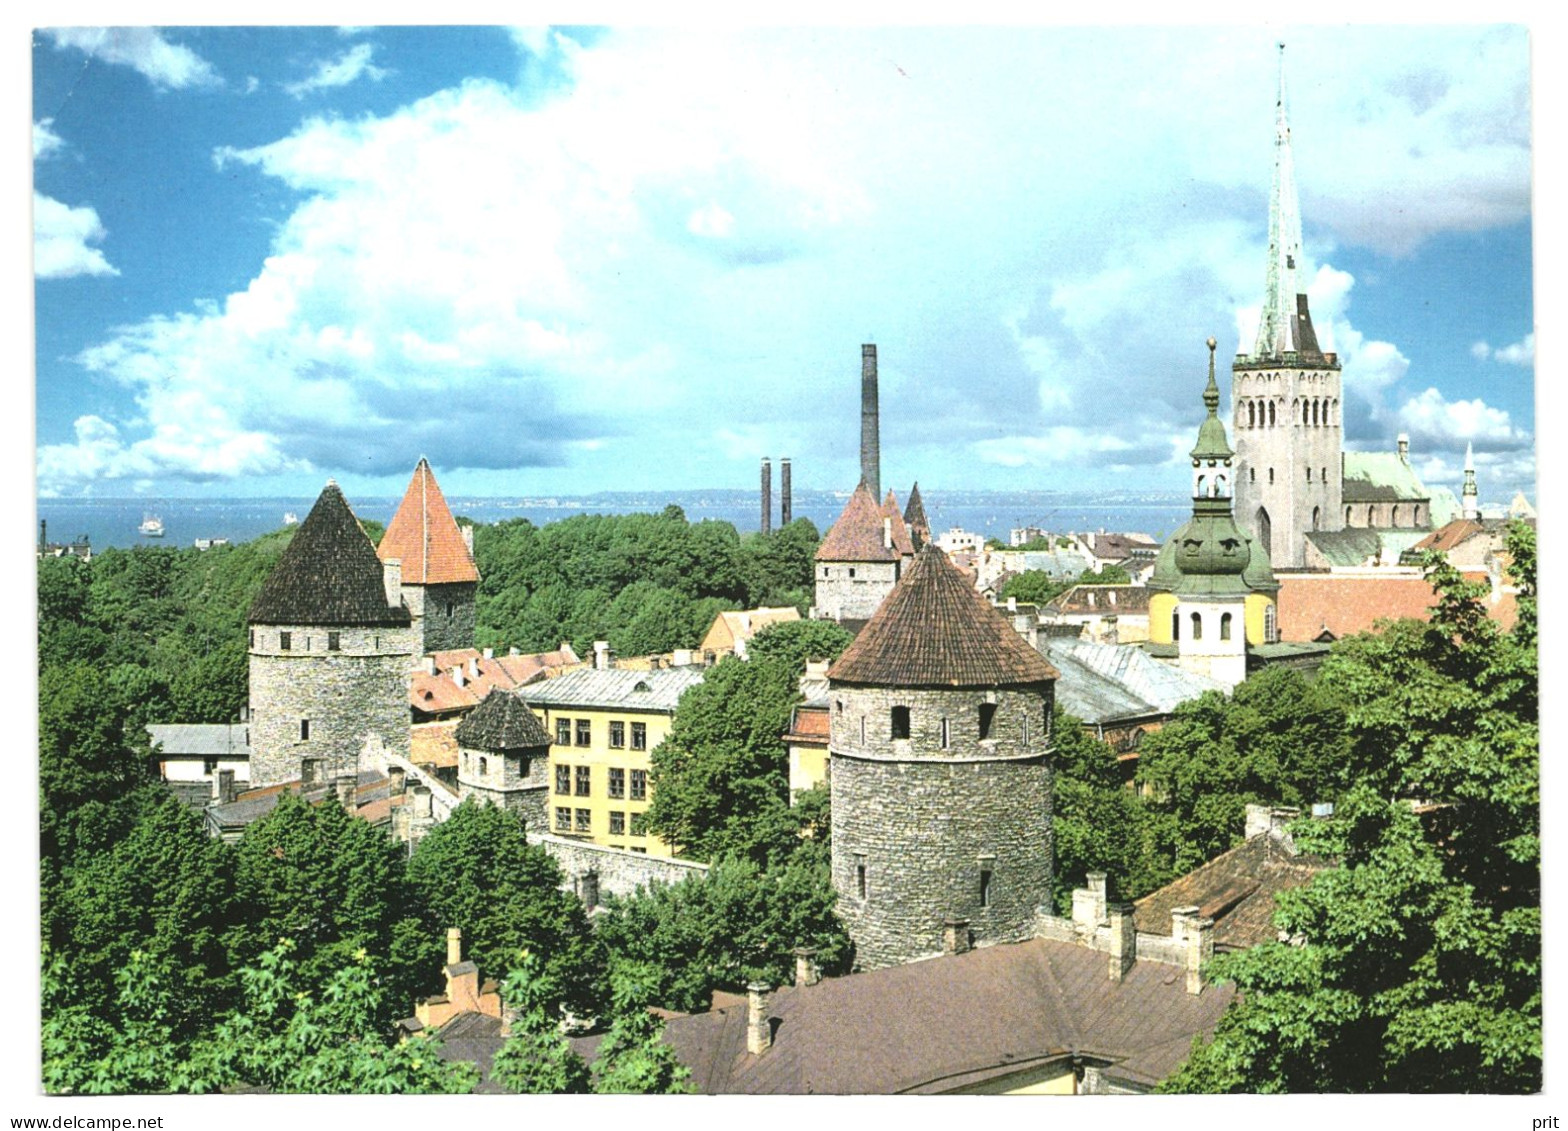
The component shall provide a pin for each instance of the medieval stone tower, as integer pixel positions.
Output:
(503, 758)
(440, 579)
(1213, 590)
(940, 761)
(331, 648)
(1285, 394)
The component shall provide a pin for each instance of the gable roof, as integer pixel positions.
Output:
(501, 722)
(328, 575)
(1451, 535)
(935, 630)
(619, 688)
(857, 536)
(424, 536)
(931, 1026)
(1379, 477)
(1236, 889)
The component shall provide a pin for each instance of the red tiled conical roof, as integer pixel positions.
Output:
(424, 535)
(935, 630)
(329, 575)
(858, 535)
(900, 532)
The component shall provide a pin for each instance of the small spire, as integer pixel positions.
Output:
(1211, 391)
(1213, 445)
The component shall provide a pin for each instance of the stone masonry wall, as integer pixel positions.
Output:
(840, 596)
(512, 780)
(360, 689)
(620, 872)
(926, 822)
(443, 630)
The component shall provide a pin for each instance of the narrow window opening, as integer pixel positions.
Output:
(1175, 625)
(987, 714)
(985, 887)
(484, 766)
(944, 733)
(285, 641)
(900, 722)
(334, 641)
(1225, 626)
(304, 730)
(860, 881)
(1197, 627)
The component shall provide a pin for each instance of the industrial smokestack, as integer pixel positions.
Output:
(767, 495)
(786, 507)
(870, 445)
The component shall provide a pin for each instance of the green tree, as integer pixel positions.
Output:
(795, 642)
(477, 871)
(1033, 587)
(536, 1058)
(1418, 967)
(633, 1058)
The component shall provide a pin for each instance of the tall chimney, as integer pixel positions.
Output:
(759, 1032)
(870, 445)
(767, 495)
(43, 523)
(786, 507)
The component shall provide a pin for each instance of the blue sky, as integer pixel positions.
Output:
(565, 260)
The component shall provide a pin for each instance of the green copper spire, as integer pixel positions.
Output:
(1213, 445)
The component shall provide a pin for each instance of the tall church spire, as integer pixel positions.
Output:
(1278, 329)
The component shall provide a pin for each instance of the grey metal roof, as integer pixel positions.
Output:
(1352, 546)
(1380, 477)
(1057, 563)
(614, 687)
(1132, 671)
(201, 740)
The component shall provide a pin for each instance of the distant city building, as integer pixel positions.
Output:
(81, 548)
(331, 647)
(436, 558)
(1213, 589)
(939, 751)
(955, 540)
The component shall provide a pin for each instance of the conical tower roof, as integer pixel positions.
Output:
(896, 528)
(858, 535)
(329, 575)
(915, 518)
(936, 630)
(501, 722)
(424, 535)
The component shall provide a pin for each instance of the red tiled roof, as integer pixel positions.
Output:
(858, 536)
(424, 535)
(526, 669)
(902, 542)
(1446, 538)
(433, 744)
(1346, 605)
(809, 725)
(936, 630)
(434, 694)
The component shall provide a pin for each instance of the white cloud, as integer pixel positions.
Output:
(1433, 419)
(46, 142)
(346, 68)
(1521, 353)
(60, 238)
(166, 65)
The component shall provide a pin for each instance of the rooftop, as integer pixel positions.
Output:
(614, 688)
(501, 722)
(935, 630)
(859, 534)
(1380, 477)
(1105, 682)
(424, 536)
(201, 740)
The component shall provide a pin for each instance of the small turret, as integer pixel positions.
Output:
(1471, 505)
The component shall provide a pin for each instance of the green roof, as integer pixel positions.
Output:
(1380, 477)
(1352, 546)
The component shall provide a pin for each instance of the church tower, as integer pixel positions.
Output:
(331, 648)
(1285, 394)
(1471, 504)
(1213, 591)
(939, 740)
(440, 579)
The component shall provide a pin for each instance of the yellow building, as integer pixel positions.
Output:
(604, 723)
(732, 629)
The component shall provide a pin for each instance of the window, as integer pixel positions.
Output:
(617, 782)
(644, 851)
(1271, 414)
(1270, 625)
(304, 729)
(1347, 516)
(484, 766)
(253, 638)
(639, 736)
(563, 732)
(617, 823)
(1197, 627)
(900, 722)
(1175, 625)
(450, 608)
(563, 819)
(1252, 475)
(860, 880)
(584, 776)
(1027, 740)
(1309, 475)
(1271, 475)
(987, 716)
(1225, 626)
(985, 887)
(617, 734)
(824, 571)
(639, 824)
(584, 731)
(334, 641)
(945, 739)
(1323, 475)
(851, 571)
(285, 641)
(639, 785)
(583, 822)
(563, 779)
(209, 766)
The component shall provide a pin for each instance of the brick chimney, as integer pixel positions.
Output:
(759, 1030)
(1199, 949)
(806, 972)
(870, 441)
(392, 578)
(1124, 940)
(955, 936)
(454, 945)
(767, 495)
